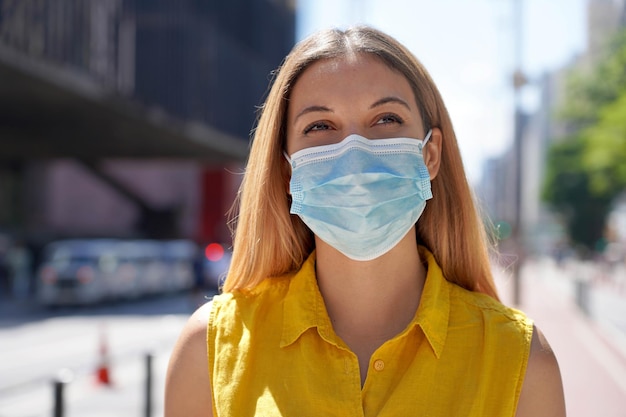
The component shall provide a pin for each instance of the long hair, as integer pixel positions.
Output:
(269, 242)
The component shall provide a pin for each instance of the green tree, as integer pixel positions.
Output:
(586, 171)
(567, 189)
(604, 154)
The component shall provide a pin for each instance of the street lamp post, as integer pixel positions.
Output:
(518, 82)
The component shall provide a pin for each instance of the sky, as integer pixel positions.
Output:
(469, 48)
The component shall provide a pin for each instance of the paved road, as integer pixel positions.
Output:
(36, 344)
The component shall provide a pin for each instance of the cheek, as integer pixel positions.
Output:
(290, 147)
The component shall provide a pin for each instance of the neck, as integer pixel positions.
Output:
(370, 302)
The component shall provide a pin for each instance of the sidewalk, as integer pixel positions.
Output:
(591, 353)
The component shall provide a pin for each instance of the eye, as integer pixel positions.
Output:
(316, 126)
(389, 119)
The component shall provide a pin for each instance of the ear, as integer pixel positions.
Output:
(432, 152)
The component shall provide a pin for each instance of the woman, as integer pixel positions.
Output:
(360, 281)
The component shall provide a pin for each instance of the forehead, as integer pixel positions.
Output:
(356, 71)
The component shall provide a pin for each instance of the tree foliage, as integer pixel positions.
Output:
(604, 154)
(569, 193)
(587, 170)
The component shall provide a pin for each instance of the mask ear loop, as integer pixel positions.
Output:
(286, 155)
(426, 139)
(288, 158)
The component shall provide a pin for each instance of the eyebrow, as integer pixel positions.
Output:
(312, 109)
(390, 99)
(377, 103)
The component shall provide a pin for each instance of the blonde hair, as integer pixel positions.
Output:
(268, 241)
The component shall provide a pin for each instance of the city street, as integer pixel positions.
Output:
(36, 345)
(138, 138)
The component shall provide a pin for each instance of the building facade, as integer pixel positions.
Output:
(201, 63)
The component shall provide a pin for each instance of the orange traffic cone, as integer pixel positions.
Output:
(103, 376)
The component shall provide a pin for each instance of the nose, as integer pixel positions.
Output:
(356, 129)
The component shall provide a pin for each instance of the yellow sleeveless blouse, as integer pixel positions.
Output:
(273, 352)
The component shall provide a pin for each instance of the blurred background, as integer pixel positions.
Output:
(124, 130)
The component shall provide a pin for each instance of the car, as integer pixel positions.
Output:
(88, 271)
(76, 271)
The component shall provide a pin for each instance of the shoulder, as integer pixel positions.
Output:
(196, 325)
(238, 316)
(187, 374)
(241, 303)
(542, 390)
(502, 331)
(490, 311)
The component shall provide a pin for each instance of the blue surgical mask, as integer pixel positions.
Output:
(360, 196)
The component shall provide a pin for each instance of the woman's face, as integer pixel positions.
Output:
(355, 94)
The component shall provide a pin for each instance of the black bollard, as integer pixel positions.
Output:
(148, 404)
(63, 378)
